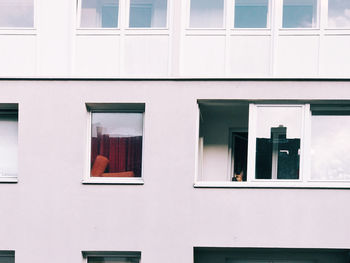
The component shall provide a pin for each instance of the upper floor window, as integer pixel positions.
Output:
(17, 13)
(99, 13)
(207, 14)
(251, 13)
(299, 14)
(7, 257)
(9, 144)
(148, 13)
(339, 13)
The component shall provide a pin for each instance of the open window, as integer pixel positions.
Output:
(250, 144)
(116, 140)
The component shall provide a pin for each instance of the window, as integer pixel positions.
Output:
(339, 13)
(330, 149)
(253, 144)
(7, 257)
(270, 255)
(112, 257)
(148, 13)
(116, 141)
(17, 13)
(251, 13)
(207, 14)
(99, 13)
(299, 14)
(9, 143)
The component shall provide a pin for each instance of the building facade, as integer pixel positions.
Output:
(179, 131)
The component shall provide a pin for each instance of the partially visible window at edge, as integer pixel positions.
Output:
(17, 13)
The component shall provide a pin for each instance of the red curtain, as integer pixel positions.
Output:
(124, 153)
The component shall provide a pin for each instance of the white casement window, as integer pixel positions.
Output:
(115, 143)
(16, 13)
(148, 14)
(300, 13)
(7, 256)
(9, 145)
(251, 13)
(207, 14)
(111, 257)
(273, 145)
(338, 13)
(99, 13)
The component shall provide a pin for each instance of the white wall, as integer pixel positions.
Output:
(50, 216)
(56, 47)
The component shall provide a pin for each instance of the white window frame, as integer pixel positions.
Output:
(112, 180)
(123, 254)
(304, 180)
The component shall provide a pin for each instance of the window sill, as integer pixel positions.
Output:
(5, 179)
(289, 184)
(97, 31)
(18, 31)
(108, 180)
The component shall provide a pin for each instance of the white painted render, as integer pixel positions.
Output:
(50, 216)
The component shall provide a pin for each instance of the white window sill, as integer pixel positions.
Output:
(289, 184)
(109, 180)
(18, 31)
(4, 179)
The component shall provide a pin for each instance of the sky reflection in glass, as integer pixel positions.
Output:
(251, 13)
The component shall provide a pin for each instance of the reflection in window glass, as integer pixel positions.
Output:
(330, 149)
(116, 144)
(9, 144)
(112, 260)
(339, 13)
(16, 13)
(207, 13)
(299, 14)
(251, 13)
(99, 13)
(278, 143)
(149, 13)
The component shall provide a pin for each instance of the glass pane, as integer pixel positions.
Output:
(207, 13)
(330, 148)
(16, 13)
(339, 13)
(112, 260)
(278, 142)
(299, 14)
(150, 13)
(251, 13)
(116, 144)
(240, 151)
(99, 13)
(9, 145)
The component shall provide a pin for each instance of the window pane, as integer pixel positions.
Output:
(99, 13)
(7, 259)
(207, 13)
(116, 144)
(339, 13)
(112, 260)
(299, 14)
(278, 142)
(150, 13)
(330, 148)
(16, 13)
(251, 13)
(9, 145)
